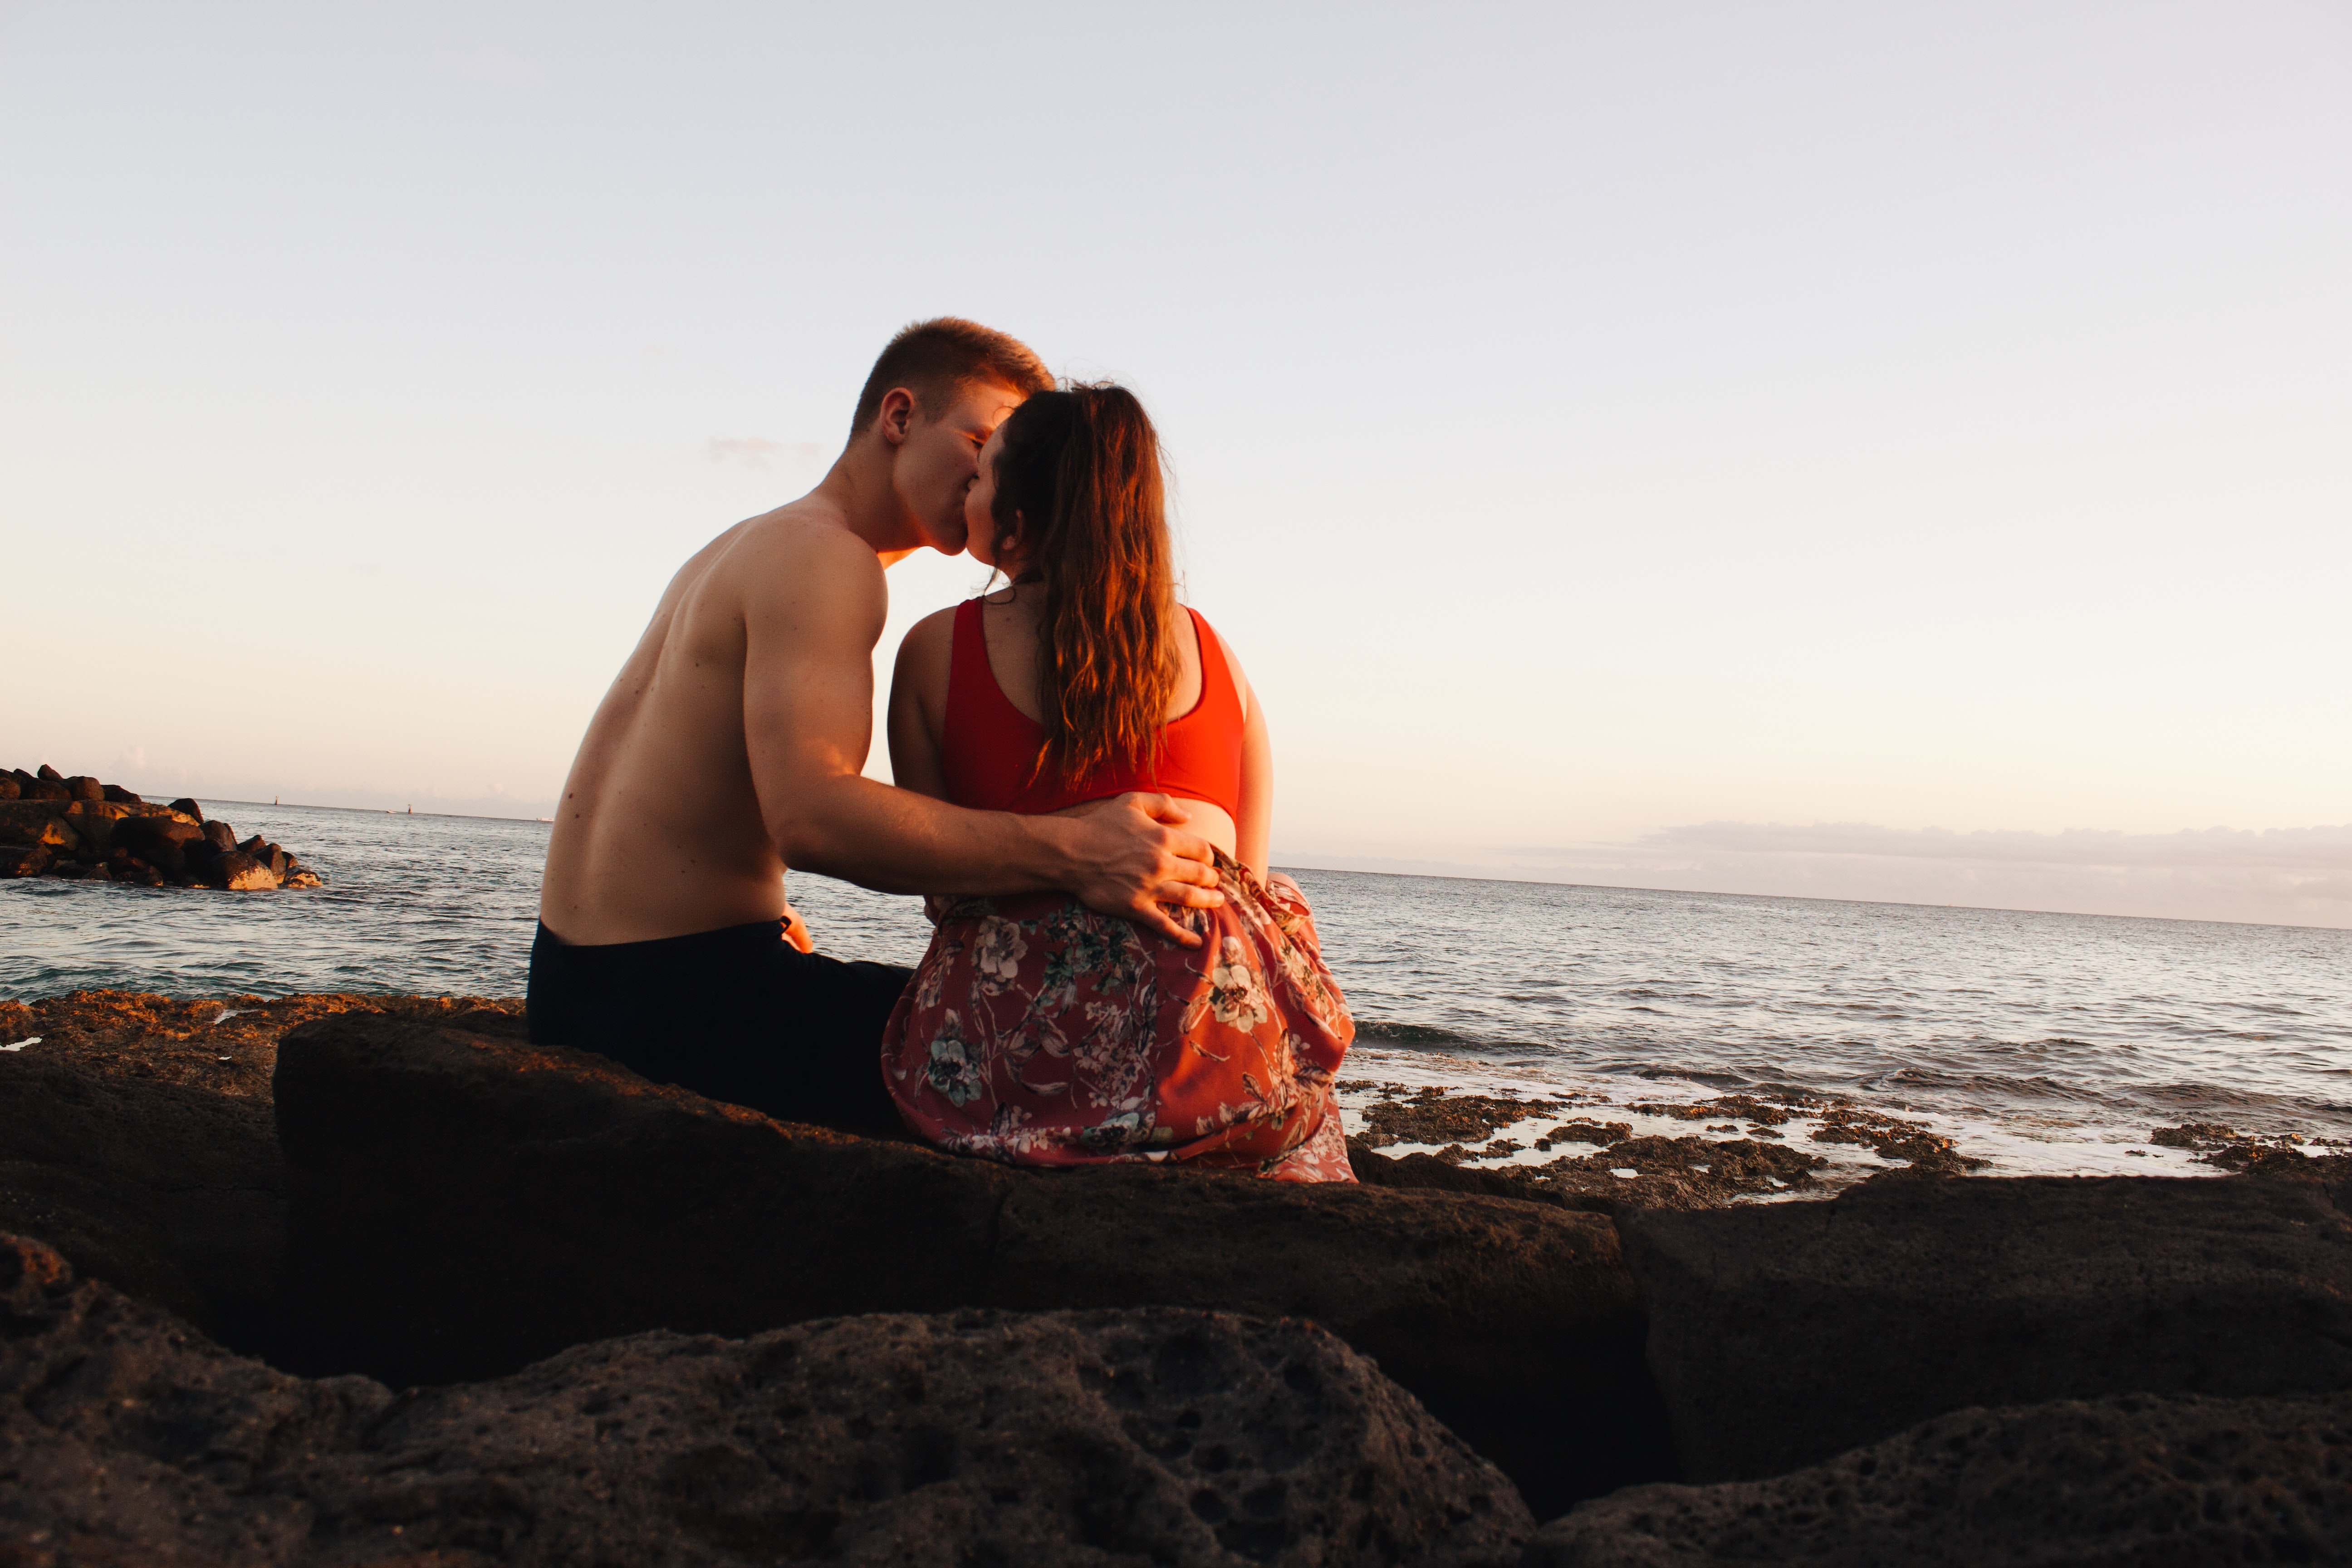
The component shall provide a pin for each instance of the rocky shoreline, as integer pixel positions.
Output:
(80, 829)
(634, 1325)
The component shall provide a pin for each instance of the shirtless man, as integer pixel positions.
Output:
(733, 745)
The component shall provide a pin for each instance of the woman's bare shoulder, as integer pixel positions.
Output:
(934, 631)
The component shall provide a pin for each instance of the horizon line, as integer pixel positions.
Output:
(1459, 876)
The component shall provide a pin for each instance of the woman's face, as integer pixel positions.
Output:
(979, 521)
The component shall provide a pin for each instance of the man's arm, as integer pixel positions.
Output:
(810, 627)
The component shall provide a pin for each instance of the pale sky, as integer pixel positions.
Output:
(1858, 449)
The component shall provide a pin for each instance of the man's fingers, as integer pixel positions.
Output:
(1162, 808)
(1197, 873)
(1188, 896)
(1152, 915)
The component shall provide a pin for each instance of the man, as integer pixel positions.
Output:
(731, 747)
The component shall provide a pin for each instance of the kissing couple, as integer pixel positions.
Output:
(1085, 791)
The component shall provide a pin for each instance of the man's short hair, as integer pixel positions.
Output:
(935, 359)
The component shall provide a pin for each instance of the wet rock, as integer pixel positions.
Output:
(1892, 1137)
(2218, 1144)
(268, 854)
(1782, 1335)
(129, 868)
(1584, 1129)
(462, 1204)
(163, 842)
(1630, 1174)
(241, 873)
(979, 1437)
(2139, 1479)
(189, 809)
(1441, 1116)
(220, 836)
(24, 859)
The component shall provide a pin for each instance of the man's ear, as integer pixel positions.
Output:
(897, 415)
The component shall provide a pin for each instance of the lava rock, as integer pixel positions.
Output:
(460, 1205)
(168, 1190)
(982, 1437)
(1515, 1322)
(1783, 1335)
(2139, 1479)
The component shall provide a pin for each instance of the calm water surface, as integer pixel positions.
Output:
(2045, 1042)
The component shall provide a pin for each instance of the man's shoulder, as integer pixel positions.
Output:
(809, 531)
(789, 553)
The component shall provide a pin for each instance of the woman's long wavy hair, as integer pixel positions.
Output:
(1081, 468)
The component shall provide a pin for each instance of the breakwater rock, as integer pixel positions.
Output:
(1158, 1436)
(80, 829)
(1917, 1370)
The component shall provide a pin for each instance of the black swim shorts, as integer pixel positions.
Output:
(738, 1015)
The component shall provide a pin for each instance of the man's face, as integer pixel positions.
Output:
(939, 461)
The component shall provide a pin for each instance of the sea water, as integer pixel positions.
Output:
(2041, 1042)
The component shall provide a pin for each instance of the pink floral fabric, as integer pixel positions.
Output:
(1040, 1033)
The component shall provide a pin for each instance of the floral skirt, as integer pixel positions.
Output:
(1040, 1033)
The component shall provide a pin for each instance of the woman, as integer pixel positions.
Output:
(1037, 1031)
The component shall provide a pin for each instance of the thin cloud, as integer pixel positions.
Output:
(759, 452)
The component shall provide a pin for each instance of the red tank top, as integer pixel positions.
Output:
(991, 745)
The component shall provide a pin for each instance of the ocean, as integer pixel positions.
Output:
(2040, 1043)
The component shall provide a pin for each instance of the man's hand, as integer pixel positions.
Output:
(1132, 862)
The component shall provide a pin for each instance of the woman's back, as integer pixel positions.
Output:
(1036, 1030)
(970, 676)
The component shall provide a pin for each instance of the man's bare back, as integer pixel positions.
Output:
(662, 830)
(733, 742)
